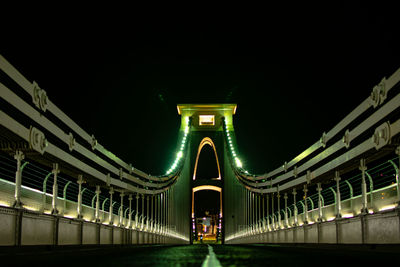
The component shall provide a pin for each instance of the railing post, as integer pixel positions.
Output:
(319, 189)
(296, 222)
(259, 214)
(169, 206)
(278, 195)
(159, 213)
(244, 207)
(121, 216)
(243, 190)
(163, 212)
(338, 199)
(255, 212)
(158, 207)
(97, 214)
(110, 212)
(79, 207)
(251, 211)
(147, 214)
(167, 211)
(137, 211)
(285, 197)
(130, 211)
(152, 216)
(363, 168)
(263, 213)
(55, 172)
(305, 204)
(19, 156)
(44, 191)
(142, 221)
(248, 211)
(371, 189)
(268, 227)
(160, 222)
(304, 208)
(272, 211)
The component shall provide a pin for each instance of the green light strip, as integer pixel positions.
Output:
(179, 155)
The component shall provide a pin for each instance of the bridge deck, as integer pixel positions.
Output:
(194, 255)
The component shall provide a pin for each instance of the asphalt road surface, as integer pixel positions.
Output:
(201, 255)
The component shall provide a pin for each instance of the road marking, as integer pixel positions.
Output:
(211, 259)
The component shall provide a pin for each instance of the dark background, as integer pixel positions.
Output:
(295, 71)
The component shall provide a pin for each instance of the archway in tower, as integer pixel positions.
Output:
(207, 195)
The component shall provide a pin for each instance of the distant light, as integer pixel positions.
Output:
(180, 154)
(206, 120)
(238, 163)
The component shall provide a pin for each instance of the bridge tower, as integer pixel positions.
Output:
(207, 130)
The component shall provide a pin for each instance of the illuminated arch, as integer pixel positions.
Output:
(207, 187)
(206, 141)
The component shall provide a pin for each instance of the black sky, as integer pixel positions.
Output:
(294, 72)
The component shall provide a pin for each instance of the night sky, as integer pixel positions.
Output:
(294, 71)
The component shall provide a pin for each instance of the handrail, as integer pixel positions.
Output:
(125, 171)
(397, 178)
(376, 99)
(251, 183)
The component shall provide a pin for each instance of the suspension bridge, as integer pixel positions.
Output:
(60, 187)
